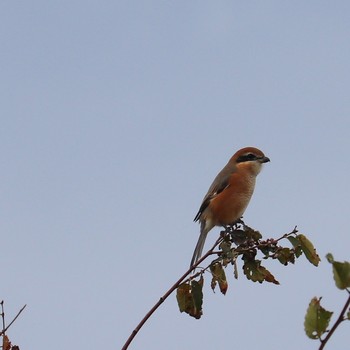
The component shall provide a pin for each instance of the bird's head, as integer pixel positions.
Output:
(250, 159)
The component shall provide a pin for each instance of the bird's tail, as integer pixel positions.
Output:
(200, 244)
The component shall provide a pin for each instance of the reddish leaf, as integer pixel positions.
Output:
(6, 344)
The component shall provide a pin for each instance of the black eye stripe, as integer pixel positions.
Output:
(246, 157)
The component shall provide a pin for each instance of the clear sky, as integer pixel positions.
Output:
(115, 118)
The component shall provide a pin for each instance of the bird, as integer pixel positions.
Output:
(229, 194)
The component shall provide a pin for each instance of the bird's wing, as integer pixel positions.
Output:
(220, 183)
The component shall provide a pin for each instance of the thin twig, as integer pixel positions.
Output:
(166, 295)
(6, 328)
(336, 324)
(2, 315)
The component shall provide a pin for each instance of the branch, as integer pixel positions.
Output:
(336, 324)
(166, 295)
(229, 231)
(4, 329)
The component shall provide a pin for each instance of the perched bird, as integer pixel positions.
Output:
(229, 194)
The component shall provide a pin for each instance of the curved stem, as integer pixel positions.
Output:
(166, 295)
(336, 324)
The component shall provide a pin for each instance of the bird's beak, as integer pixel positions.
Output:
(264, 159)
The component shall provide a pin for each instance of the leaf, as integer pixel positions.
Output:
(225, 247)
(6, 344)
(189, 297)
(268, 247)
(227, 254)
(316, 319)
(341, 272)
(285, 256)
(238, 237)
(296, 245)
(257, 273)
(183, 296)
(219, 277)
(253, 234)
(308, 249)
(330, 258)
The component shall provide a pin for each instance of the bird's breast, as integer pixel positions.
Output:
(229, 205)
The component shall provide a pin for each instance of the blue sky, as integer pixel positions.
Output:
(116, 117)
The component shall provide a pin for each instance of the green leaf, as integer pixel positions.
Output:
(197, 292)
(296, 245)
(330, 258)
(219, 277)
(189, 297)
(341, 272)
(257, 273)
(316, 319)
(309, 250)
